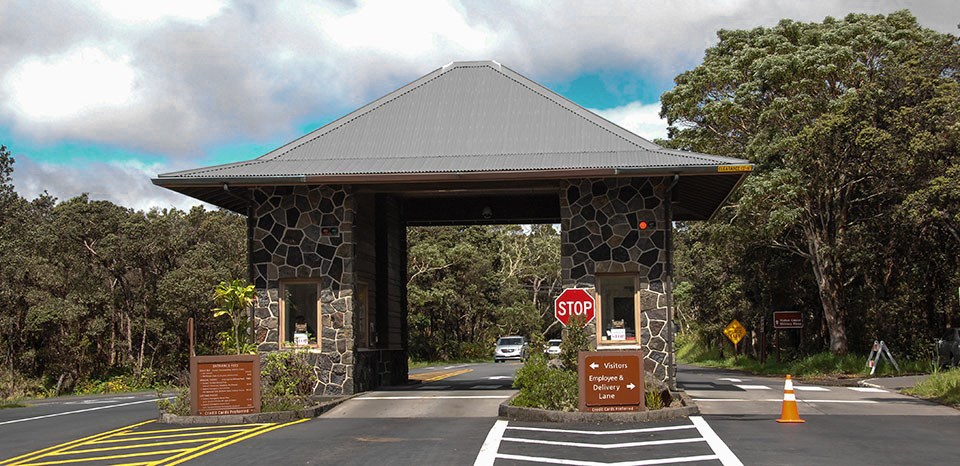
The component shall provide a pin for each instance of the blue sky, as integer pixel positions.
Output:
(98, 96)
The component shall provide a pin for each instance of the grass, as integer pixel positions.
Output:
(11, 403)
(819, 365)
(942, 387)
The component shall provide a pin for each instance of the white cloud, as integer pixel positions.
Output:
(58, 89)
(123, 183)
(178, 77)
(144, 12)
(639, 118)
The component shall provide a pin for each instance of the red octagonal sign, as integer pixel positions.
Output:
(574, 302)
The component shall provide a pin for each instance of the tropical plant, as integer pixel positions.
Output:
(234, 300)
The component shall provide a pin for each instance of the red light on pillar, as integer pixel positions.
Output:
(645, 225)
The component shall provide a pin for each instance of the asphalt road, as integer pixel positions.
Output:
(844, 425)
(451, 418)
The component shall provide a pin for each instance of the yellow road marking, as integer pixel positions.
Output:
(201, 452)
(154, 437)
(130, 447)
(41, 452)
(438, 375)
(112, 457)
(231, 426)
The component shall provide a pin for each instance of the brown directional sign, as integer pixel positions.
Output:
(787, 319)
(611, 381)
(224, 385)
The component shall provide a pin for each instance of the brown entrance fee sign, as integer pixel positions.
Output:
(222, 385)
(611, 381)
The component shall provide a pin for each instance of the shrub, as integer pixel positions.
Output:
(287, 380)
(545, 387)
(555, 388)
(178, 405)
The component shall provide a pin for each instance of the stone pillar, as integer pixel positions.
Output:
(599, 234)
(288, 244)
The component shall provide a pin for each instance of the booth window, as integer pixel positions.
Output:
(619, 307)
(299, 313)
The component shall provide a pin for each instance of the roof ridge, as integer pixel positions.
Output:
(495, 66)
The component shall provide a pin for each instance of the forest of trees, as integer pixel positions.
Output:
(90, 290)
(852, 216)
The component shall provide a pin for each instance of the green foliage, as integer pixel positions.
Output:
(287, 380)
(545, 387)
(652, 399)
(14, 388)
(574, 341)
(942, 387)
(850, 215)
(469, 285)
(178, 404)
(234, 300)
(91, 290)
(119, 383)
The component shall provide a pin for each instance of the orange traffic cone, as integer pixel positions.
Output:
(789, 413)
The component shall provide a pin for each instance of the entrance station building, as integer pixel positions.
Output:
(469, 143)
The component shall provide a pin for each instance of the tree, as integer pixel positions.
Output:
(842, 118)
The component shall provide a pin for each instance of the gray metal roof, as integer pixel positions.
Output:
(478, 118)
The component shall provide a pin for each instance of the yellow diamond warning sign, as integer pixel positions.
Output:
(734, 331)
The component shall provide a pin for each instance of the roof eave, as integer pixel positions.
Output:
(366, 178)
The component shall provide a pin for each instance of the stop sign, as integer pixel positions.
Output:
(573, 302)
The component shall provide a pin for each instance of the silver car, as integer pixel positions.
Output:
(510, 347)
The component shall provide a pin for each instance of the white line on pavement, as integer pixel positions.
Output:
(604, 446)
(682, 459)
(451, 397)
(605, 432)
(780, 400)
(716, 444)
(753, 387)
(488, 452)
(14, 421)
(805, 388)
(867, 389)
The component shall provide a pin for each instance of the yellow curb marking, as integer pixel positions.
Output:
(210, 438)
(438, 375)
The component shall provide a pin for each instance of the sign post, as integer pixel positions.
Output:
(787, 320)
(574, 302)
(611, 381)
(735, 332)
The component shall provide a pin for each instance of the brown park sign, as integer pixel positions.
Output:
(222, 385)
(787, 319)
(611, 381)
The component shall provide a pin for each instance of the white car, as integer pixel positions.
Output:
(553, 347)
(510, 347)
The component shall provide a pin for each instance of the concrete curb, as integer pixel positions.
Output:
(515, 413)
(275, 416)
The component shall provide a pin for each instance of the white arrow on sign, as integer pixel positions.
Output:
(594, 365)
(631, 386)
